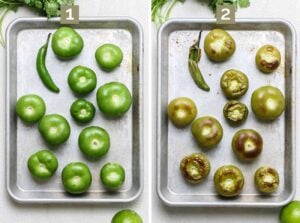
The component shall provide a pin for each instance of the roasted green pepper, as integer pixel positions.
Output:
(42, 68)
(194, 58)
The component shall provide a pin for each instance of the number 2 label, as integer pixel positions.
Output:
(225, 14)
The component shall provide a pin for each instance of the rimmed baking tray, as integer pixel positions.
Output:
(24, 37)
(174, 80)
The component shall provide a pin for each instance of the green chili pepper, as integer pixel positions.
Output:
(42, 69)
(194, 58)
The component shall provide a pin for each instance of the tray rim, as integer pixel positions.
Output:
(226, 204)
(75, 200)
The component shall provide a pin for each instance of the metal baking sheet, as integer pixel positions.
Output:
(174, 80)
(24, 38)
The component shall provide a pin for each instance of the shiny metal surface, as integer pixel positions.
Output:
(174, 80)
(24, 38)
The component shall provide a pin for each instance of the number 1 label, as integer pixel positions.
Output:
(69, 14)
(225, 14)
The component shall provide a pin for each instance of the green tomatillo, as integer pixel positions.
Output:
(76, 178)
(127, 216)
(54, 129)
(42, 164)
(66, 43)
(94, 141)
(290, 213)
(82, 80)
(112, 175)
(30, 108)
(114, 99)
(109, 56)
(82, 110)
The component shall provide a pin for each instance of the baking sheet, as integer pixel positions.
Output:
(175, 38)
(25, 37)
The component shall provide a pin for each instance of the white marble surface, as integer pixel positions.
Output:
(20, 213)
(259, 9)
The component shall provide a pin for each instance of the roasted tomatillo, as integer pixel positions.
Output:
(94, 141)
(247, 144)
(114, 99)
(195, 167)
(229, 181)
(66, 43)
(82, 80)
(112, 175)
(266, 179)
(235, 112)
(42, 164)
(234, 83)
(268, 58)
(55, 129)
(267, 103)
(30, 108)
(207, 131)
(182, 111)
(76, 178)
(219, 45)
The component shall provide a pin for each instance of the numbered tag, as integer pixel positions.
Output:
(225, 14)
(69, 14)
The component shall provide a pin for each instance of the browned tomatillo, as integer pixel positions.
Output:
(229, 181)
(207, 131)
(219, 45)
(266, 179)
(268, 58)
(234, 83)
(267, 103)
(182, 111)
(195, 167)
(235, 112)
(247, 144)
